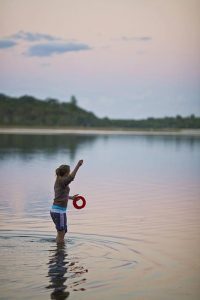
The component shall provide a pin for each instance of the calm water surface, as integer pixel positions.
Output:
(137, 238)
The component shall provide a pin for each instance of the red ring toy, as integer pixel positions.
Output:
(76, 199)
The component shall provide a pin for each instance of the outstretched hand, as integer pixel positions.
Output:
(73, 173)
(80, 162)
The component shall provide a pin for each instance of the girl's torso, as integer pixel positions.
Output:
(61, 191)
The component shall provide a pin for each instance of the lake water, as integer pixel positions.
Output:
(138, 236)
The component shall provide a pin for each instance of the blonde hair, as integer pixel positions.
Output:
(62, 170)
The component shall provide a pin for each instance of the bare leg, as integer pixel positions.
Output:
(60, 236)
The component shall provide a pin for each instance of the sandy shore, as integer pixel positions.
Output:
(46, 131)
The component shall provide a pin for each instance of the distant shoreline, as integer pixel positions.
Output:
(100, 131)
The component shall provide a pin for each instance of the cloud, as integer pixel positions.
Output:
(33, 37)
(48, 49)
(43, 44)
(7, 43)
(139, 38)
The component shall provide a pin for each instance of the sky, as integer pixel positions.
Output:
(127, 59)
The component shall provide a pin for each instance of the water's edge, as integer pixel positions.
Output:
(107, 131)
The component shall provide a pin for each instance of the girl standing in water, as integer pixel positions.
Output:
(61, 190)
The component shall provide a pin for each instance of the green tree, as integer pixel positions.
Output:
(73, 101)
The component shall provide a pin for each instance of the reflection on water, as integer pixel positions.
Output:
(63, 273)
(57, 270)
(25, 145)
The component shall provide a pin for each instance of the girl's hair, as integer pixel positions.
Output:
(62, 170)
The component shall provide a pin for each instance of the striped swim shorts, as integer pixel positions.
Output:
(59, 218)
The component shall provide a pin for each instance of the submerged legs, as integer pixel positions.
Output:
(60, 236)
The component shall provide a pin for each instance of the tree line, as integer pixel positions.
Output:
(31, 112)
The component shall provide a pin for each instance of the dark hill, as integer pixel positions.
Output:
(31, 112)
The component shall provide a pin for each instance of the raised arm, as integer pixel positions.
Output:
(73, 173)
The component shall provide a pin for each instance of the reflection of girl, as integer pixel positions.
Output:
(61, 189)
(57, 270)
(62, 268)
